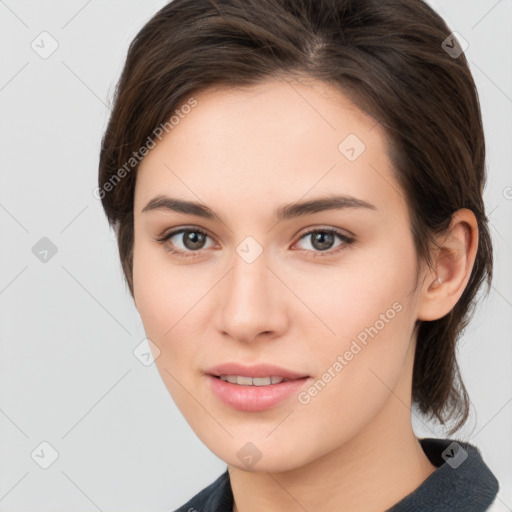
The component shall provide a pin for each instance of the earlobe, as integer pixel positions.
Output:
(454, 259)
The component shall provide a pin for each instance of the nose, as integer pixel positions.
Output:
(251, 301)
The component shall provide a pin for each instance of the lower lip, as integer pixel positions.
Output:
(254, 398)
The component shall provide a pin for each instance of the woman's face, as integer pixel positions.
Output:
(325, 292)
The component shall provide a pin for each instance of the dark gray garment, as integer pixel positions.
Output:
(462, 482)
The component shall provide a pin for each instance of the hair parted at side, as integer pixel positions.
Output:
(387, 57)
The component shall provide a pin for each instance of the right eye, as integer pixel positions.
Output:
(192, 240)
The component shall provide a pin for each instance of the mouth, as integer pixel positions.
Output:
(256, 388)
(256, 375)
(252, 381)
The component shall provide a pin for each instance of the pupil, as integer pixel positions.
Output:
(195, 239)
(321, 238)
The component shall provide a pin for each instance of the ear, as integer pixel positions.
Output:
(453, 258)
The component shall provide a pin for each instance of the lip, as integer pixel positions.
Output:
(254, 398)
(259, 370)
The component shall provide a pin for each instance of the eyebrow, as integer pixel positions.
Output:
(288, 211)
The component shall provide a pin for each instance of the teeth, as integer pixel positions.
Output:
(251, 381)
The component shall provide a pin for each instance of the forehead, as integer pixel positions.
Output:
(273, 142)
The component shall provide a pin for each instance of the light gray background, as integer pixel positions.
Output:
(68, 326)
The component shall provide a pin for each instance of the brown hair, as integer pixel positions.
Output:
(388, 56)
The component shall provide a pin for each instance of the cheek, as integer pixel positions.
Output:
(163, 292)
(367, 315)
(356, 369)
(364, 289)
(170, 299)
(163, 299)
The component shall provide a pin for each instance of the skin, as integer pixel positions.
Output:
(244, 153)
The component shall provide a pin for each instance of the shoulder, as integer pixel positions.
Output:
(216, 497)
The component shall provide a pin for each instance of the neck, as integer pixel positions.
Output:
(374, 470)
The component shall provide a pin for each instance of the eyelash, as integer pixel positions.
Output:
(347, 241)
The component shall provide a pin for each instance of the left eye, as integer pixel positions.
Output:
(322, 240)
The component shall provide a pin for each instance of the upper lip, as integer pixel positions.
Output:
(258, 370)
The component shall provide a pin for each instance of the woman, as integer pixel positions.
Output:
(296, 189)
